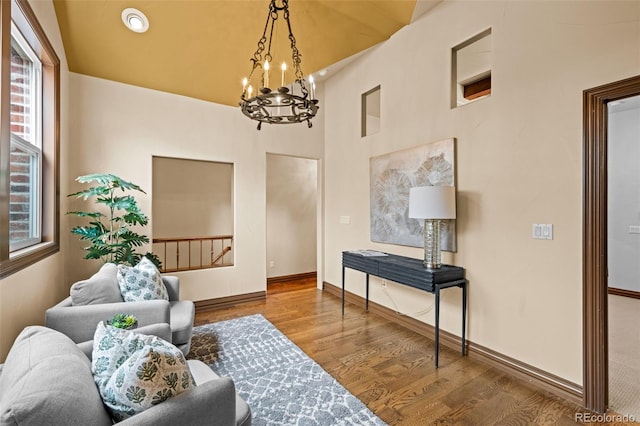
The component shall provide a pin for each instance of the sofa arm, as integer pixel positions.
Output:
(172, 283)
(79, 322)
(212, 403)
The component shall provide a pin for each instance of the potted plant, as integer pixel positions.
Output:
(123, 321)
(111, 235)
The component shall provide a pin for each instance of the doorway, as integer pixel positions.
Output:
(595, 234)
(623, 248)
(292, 206)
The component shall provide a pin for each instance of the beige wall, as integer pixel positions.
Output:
(191, 198)
(119, 128)
(519, 161)
(25, 295)
(292, 194)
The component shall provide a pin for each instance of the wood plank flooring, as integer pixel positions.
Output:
(391, 369)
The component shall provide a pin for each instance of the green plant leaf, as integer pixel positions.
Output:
(97, 252)
(87, 214)
(101, 178)
(125, 185)
(131, 238)
(134, 219)
(127, 203)
(110, 180)
(153, 258)
(87, 232)
(124, 254)
(95, 191)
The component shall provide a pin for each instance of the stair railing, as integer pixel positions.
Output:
(193, 253)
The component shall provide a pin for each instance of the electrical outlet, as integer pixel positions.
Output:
(272, 264)
(383, 284)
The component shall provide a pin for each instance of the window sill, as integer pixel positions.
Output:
(26, 257)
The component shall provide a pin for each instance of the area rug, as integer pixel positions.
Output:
(281, 384)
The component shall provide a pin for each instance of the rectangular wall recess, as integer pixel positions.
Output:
(471, 63)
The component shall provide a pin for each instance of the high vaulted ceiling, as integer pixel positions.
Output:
(202, 48)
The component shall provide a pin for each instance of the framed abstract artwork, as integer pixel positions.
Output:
(391, 176)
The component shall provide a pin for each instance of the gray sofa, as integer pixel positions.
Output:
(98, 299)
(47, 380)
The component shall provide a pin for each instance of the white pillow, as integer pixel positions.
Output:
(134, 372)
(141, 282)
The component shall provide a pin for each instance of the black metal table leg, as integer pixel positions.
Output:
(464, 314)
(437, 292)
(342, 290)
(366, 302)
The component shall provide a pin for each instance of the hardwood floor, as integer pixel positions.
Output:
(391, 369)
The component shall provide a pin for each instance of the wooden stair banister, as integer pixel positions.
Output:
(220, 255)
(197, 246)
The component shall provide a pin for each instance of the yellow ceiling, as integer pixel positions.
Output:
(201, 48)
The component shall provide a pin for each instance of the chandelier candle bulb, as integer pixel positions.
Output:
(249, 90)
(284, 68)
(244, 85)
(266, 73)
(312, 86)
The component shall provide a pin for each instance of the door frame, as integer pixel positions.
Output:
(594, 244)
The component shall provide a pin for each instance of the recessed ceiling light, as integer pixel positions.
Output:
(135, 20)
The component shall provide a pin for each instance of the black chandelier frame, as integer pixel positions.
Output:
(281, 106)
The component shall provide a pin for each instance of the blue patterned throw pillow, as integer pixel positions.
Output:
(141, 282)
(134, 372)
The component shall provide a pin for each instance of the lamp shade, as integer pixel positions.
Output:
(432, 202)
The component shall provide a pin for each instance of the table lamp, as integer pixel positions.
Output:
(432, 203)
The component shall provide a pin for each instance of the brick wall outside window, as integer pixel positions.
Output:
(20, 161)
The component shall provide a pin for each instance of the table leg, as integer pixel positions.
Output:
(437, 288)
(366, 302)
(464, 314)
(343, 291)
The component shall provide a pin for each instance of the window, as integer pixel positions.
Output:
(25, 161)
(29, 117)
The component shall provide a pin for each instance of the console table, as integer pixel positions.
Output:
(410, 272)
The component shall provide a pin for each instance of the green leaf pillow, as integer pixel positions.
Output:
(141, 282)
(134, 372)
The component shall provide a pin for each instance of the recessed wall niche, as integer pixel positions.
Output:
(371, 112)
(471, 69)
(192, 213)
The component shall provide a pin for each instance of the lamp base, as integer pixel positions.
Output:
(432, 253)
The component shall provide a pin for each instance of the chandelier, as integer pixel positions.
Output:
(290, 104)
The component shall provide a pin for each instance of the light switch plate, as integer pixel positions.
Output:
(345, 220)
(542, 231)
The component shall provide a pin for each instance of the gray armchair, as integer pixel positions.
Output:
(47, 379)
(99, 299)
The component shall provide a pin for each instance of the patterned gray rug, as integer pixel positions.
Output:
(281, 384)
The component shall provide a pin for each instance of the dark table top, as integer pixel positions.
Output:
(401, 269)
